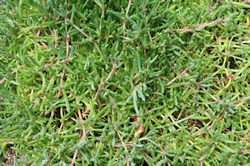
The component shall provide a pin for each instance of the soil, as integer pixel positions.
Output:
(8, 157)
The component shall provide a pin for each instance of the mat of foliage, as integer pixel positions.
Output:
(125, 82)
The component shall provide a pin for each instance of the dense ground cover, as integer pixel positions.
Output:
(125, 82)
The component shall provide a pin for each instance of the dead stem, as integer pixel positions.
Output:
(125, 18)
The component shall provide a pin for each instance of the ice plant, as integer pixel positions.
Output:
(74, 76)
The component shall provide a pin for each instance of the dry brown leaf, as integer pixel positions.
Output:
(139, 128)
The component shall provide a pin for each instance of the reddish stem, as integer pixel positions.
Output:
(215, 99)
(74, 158)
(244, 151)
(67, 59)
(177, 77)
(98, 91)
(210, 5)
(159, 145)
(3, 80)
(211, 23)
(202, 160)
(198, 27)
(156, 92)
(38, 32)
(83, 128)
(111, 72)
(113, 69)
(84, 135)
